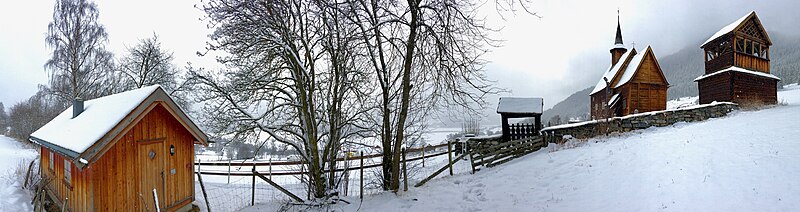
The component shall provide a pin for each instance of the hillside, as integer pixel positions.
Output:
(683, 66)
(723, 164)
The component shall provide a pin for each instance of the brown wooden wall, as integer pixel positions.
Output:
(76, 191)
(723, 61)
(647, 91)
(715, 88)
(596, 109)
(749, 88)
(645, 97)
(752, 62)
(118, 176)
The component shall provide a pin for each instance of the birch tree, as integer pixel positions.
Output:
(79, 66)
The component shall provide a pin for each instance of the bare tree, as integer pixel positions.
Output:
(426, 56)
(28, 116)
(79, 65)
(146, 63)
(290, 75)
(3, 119)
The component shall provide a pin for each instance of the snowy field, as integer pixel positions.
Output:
(12, 197)
(747, 161)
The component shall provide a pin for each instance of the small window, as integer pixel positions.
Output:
(67, 171)
(50, 163)
(739, 45)
(748, 48)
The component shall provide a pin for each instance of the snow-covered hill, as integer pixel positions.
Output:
(747, 161)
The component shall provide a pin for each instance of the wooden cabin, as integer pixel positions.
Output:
(633, 84)
(517, 107)
(737, 65)
(132, 151)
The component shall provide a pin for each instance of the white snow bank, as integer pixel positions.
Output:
(98, 118)
(12, 196)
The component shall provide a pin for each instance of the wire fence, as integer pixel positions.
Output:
(232, 185)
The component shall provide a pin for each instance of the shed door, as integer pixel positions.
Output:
(151, 163)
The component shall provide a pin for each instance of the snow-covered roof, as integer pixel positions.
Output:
(520, 105)
(627, 75)
(612, 71)
(727, 29)
(738, 69)
(613, 99)
(73, 136)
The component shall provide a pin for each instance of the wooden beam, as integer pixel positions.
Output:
(294, 197)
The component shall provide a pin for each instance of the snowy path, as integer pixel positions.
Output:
(13, 198)
(747, 161)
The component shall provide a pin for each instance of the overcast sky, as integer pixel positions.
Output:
(564, 51)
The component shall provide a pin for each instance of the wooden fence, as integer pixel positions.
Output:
(492, 154)
(425, 152)
(522, 130)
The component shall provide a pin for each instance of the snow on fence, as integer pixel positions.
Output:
(232, 185)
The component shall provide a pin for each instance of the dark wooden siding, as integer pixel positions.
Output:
(715, 88)
(749, 88)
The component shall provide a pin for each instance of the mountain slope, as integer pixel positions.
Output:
(574, 106)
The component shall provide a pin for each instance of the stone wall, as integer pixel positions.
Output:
(594, 128)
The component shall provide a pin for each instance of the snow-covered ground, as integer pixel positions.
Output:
(747, 161)
(12, 197)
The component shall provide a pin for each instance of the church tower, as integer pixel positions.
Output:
(619, 48)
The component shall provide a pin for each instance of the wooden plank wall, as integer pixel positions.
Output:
(747, 87)
(752, 62)
(117, 174)
(715, 88)
(647, 91)
(76, 191)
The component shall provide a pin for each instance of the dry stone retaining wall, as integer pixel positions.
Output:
(594, 128)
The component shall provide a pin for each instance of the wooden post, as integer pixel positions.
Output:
(423, 156)
(405, 173)
(450, 156)
(229, 171)
(361, 195)
(203, 188)
(253, 192)
(270, 168)
(64, 206)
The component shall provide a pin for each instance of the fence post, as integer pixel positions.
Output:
(405, 173)
(229, 171)
(270, 168)
(450, 156)
(361, 195)
(423, 155)
(253, 193)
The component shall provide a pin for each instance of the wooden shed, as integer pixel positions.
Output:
(132, 151)
(737, 67)
(634, 83)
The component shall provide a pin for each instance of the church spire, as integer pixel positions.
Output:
(619, 49)
(618, 40)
